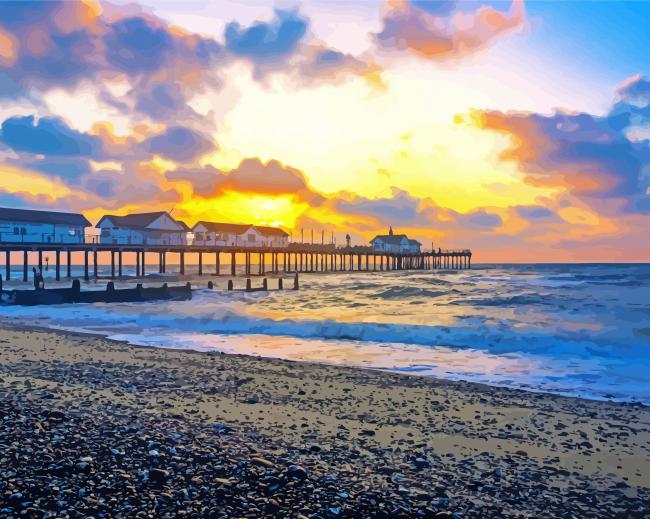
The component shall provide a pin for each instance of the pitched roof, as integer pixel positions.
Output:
(414, 242)
(53, 217)
(236, 228)
(185, 227)
(392, 239)
(270, 231)
(134, 221)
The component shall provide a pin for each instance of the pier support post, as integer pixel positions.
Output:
(143, 263)
(233, 264)
(40, 260)
(86, 276)
(200, 263)
(25, 265)
(69, 264)
(8, 265)
(57, 259)
(137, 263)
(217, 263)
(95, 274)
(112, 264)
(182, 262)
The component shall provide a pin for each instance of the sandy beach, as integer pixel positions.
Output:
(290, 439)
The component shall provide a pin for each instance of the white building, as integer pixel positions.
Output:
(395, 243)
(27, 226)
(219, 234)
(142, 229)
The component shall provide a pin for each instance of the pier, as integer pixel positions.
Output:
(256, 261)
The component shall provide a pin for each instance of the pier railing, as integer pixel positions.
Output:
(282, 260)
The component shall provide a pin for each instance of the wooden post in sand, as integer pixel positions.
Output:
(296, 284)
(265, 284)
(230, 284)
(248, 285)
(280, 284)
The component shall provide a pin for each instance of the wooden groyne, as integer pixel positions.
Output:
(280, 260)
(74, 294)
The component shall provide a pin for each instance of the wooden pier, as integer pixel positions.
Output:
(269, 260)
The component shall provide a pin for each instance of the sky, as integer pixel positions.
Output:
(517, 129)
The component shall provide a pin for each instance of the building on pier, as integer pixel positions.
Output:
(238, 235)
(395, 243)
(27, 226)
(158, 228)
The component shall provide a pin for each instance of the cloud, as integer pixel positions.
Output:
(251, 176)
(179, 144)
(439, 31)
(47, 136)
(591, 157)
(635, 88)
(535, 213)
(60, 44)
(267, 42)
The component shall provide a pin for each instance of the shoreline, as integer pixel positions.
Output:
(428, 431)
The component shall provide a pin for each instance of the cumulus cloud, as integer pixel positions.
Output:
(60, 44)
(440, 30)
(251, 176)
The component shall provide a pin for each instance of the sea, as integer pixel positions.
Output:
(568, 329)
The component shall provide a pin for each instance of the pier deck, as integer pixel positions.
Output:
(282, 260)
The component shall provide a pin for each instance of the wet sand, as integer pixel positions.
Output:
(423, 447)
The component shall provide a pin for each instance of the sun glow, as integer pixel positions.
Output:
(257, 209)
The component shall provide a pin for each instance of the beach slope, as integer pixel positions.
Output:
(92, 427)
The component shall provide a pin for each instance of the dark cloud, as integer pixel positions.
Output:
(267, 42)
(437, 30)
(179, 144)
(135, 46)
(535, 212)
(402, 208)
(591, 157)
(60, 44)
(47, 136)
(480, 220)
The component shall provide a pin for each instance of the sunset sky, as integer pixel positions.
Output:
(519, 129)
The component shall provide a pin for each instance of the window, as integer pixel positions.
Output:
(251, 238)
(16, 230)
(105, 233)
(72, 232)
(198, 236)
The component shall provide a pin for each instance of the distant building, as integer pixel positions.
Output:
(27, 226)
(157, 228)
(238, 235)
(395, 243)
